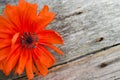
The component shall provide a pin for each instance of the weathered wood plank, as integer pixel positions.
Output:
(95, 28)
(104, 65)
(100, 19)
(81, 31)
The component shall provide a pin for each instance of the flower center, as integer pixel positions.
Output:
(29, 40)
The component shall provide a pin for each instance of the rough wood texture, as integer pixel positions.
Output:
(86, 26)
(104, 65)
(81, 31)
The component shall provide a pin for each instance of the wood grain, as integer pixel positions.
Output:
(85, 25)
(82, 23)
(104, 65)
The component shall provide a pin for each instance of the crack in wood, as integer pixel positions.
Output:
(19, 78)
(82, 56)
(62, 17)
(102, 49)
(95, 52)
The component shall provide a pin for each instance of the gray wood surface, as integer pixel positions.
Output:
(104, 65)
(86, 26)
(82, 31)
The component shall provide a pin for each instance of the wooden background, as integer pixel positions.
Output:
(91, 31)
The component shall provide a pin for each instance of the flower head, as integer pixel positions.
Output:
(23, 39)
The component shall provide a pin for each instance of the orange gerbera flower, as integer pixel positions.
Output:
(23, 37)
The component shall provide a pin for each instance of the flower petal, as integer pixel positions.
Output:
(53, 47)
(28, 14)
(44, 17)
(11, 13)
(5, 24)
(4, 43)
(1, 66)
(4, 52)
(35, 70)
(43, 70)
(29, 69)
(44, 58)
(47, 53)
(21, 17)
(13, 50)
(14, 39)
(22, 61)
(50, 36)
(2, 63)
(4, 36)
(11, 62)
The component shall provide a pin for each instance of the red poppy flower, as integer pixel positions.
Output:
(23, 39)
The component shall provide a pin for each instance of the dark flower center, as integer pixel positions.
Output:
(29, 40)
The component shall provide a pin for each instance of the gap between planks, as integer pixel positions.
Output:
(83, 59)
(101, 66)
